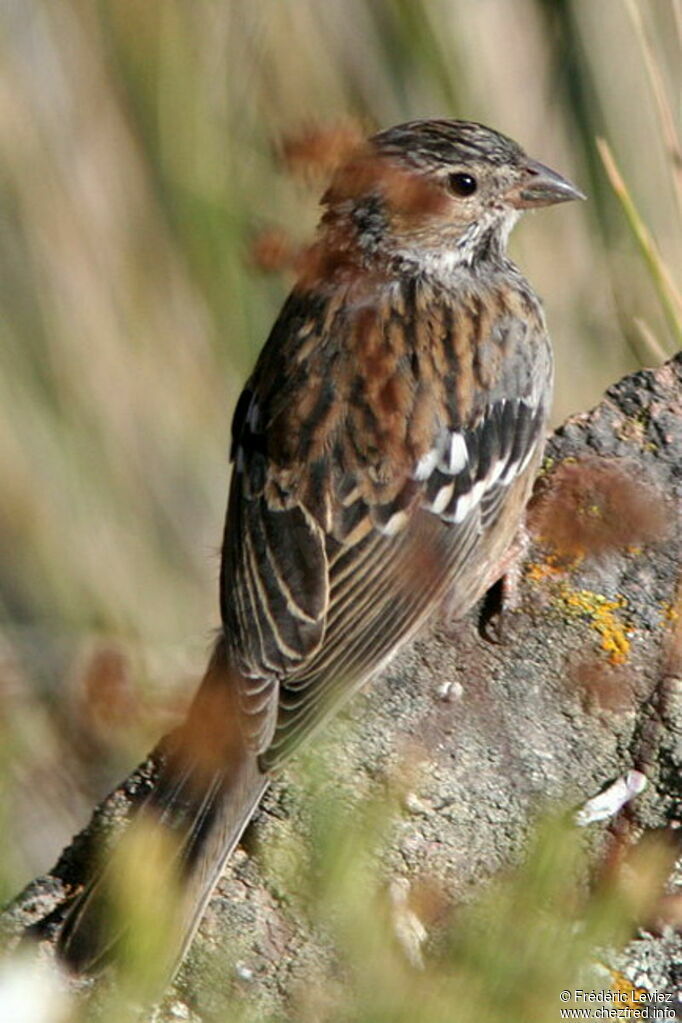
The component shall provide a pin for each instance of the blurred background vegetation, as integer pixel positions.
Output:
(138, 163)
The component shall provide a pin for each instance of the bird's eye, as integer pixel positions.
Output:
(462, 184)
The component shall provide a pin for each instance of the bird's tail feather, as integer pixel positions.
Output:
(208, 790)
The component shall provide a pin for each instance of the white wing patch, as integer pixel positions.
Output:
(426, 464)
(442, 498)
(467, 502)
(458, 453)
(462, 471)
(465, 466)
(396, 522)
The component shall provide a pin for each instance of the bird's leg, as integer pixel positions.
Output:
(502, 594)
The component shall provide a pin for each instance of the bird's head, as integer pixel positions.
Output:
(437, 191)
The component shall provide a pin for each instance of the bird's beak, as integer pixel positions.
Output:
(541, 186)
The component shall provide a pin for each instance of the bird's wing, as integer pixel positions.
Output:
(372, 455)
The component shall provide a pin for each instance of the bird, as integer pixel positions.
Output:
(384, 449)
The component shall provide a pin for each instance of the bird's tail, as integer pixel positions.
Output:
(208, 789)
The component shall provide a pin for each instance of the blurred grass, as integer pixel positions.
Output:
(137, 163)
(546, 927)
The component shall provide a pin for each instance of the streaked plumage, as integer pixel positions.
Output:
(384, 449)
(379, 437)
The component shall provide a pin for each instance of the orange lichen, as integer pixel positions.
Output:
(601, 613)
(671, 612)
(631, 997)
(551, 568)
(537, 572)
(544, 571)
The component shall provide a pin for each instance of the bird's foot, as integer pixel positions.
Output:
(502, 595)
